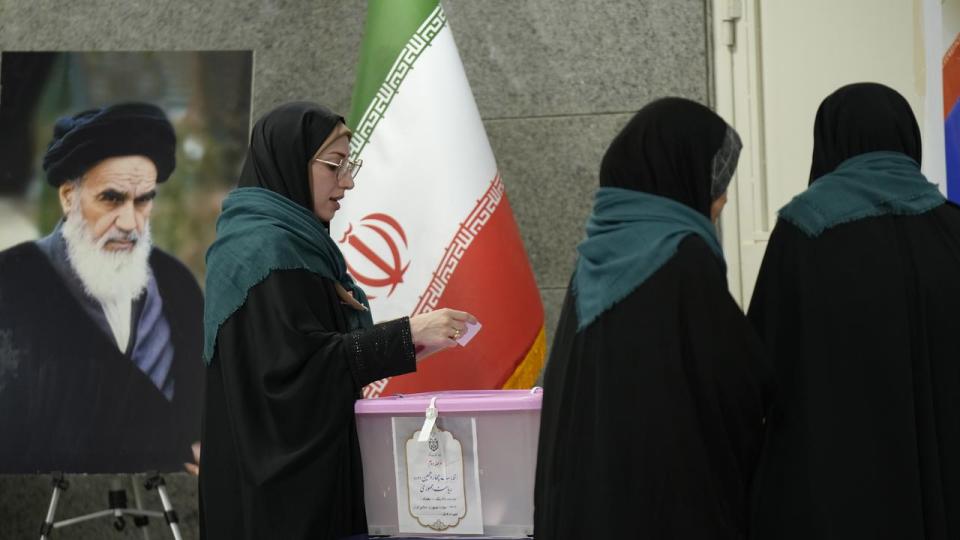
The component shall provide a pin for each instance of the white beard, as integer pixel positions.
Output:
(106, 275)
(114, 278)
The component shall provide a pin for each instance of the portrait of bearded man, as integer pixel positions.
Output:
(100, 331)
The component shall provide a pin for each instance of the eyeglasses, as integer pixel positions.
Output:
(346, 167)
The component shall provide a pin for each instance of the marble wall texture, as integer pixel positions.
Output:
(554, 81)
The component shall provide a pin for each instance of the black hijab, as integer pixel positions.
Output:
(668, 325)
(281, 146)
(860, 118)
(672, 148)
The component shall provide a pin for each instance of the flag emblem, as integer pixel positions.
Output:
(378, 246)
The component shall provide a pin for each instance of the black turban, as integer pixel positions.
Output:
(85, 139)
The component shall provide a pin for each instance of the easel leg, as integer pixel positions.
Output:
(59, 484)
(156, 481)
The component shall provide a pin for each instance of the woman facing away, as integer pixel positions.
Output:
(858, 302)
(289, 342)
(656, 388)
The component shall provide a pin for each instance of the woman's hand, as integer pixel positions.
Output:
(438, 330)
(194, 468)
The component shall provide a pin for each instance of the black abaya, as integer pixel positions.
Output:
(861, 322)
(280, 452)
(863, 441)
(652, 414)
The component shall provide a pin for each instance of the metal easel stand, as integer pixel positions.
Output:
(118, 508)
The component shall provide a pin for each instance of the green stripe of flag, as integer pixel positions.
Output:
(390, 25)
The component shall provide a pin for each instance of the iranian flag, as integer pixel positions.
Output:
(428, 224)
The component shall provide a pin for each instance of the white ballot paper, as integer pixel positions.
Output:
(438, 481)
(472, 329)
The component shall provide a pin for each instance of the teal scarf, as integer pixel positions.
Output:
(867, 185)
(630, 235)
(258, 232)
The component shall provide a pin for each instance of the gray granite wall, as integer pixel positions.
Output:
(554, 81)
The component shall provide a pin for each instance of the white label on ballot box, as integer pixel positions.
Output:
(438, 482)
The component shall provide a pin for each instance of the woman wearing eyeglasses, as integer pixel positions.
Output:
(289, 342)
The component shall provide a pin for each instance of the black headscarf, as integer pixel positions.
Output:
(650, 276)
(674, 148)
(281, 146)
(860, 118)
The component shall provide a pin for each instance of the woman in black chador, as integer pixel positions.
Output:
(289, 342)
(858, 301)
(656, 387)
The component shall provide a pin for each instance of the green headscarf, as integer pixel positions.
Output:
(630, 235)
(867, 185)
(268, 223)
(257, 233)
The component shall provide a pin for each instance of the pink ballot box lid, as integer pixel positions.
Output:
(453, 401)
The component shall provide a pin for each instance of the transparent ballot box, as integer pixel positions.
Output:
(457, 463)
